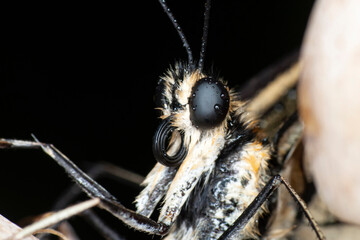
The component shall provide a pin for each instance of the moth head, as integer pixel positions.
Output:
(192, 105)
(197, 111)
(198, 115)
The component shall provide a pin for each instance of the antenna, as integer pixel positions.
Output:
(205, 35)
(182, 35)
(179, 30)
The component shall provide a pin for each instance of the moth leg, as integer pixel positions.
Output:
(107, 200)
(92, 188)
(101, 227)
(96, 171)
(265, 193)
(18, 144)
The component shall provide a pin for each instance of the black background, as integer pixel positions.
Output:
(82, 76)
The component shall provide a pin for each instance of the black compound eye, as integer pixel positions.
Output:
(209, 103)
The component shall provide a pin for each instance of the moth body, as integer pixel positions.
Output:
(226, 166)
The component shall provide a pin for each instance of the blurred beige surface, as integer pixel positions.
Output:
(8, 229)
(329, 104)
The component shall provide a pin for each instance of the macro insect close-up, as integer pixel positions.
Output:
(220, 157)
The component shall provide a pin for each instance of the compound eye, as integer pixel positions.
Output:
(209, 103)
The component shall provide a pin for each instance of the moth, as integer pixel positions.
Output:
(213, 160)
